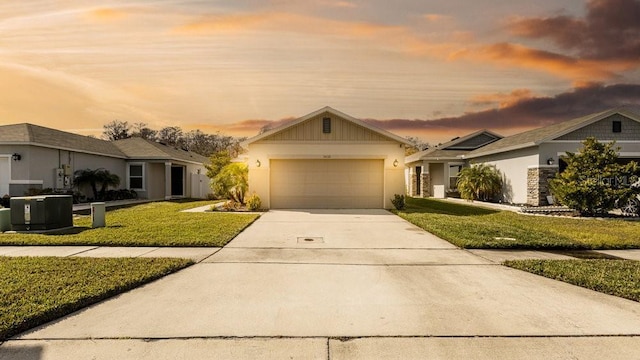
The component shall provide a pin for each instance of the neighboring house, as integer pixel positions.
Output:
(33, 156)
(326, 159)
(527, 161)
(434, 172)
(530, 159)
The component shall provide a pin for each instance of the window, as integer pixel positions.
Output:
(454, 170)
(617, 126)
(136, 177)
(326, 125)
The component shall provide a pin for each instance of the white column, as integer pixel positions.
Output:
(167, 181)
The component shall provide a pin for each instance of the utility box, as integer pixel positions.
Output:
(5, 220)
(98, 210)
(38, 213)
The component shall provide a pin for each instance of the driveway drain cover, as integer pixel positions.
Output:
(310, 240)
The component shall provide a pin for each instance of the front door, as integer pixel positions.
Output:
(177, 181)
(5, 175)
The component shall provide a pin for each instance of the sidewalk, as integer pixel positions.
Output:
(196, 254)
(86, 207)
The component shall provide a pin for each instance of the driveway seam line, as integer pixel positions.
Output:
(339, 338)
(339, 264)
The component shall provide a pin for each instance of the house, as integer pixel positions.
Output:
(33, 156)
(530, 159)
(326, 159)
(526, 161)
(434, 172)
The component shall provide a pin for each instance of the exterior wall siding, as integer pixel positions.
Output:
(311, 130)
(514, 167)
(602, 130)
(264, 151)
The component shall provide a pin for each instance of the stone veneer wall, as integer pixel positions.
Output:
(413, 184)
(425, 188)
(538, 184)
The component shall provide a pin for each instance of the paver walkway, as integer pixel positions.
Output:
(343, 285)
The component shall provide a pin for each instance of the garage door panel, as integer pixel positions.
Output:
(334, 183)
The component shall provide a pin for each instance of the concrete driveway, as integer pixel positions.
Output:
(342, 285)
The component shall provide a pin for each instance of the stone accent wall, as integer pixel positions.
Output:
(413, 184)
(425, 188)
(538, 184)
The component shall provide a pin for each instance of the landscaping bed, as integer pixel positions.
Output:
(35, 290)
(152, 224)
(474, 227)
(614, 277)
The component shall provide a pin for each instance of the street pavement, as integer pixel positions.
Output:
(341, 284)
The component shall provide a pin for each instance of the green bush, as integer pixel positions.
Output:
(479, 182)
(398, 201)
(593, 181)
(254, 202)
(232, 182)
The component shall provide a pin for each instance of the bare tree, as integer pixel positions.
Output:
(171, 135)
(141, 130)
(116, 130)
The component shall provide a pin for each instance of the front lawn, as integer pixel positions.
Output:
(152, 224)
(35, 290)
(469, 226)
(614, 277)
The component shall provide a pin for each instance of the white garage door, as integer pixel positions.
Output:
(327, 184)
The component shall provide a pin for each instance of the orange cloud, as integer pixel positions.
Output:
(515, 55)
(459, 45)
(503, 100)
(107, 14)
(436, 17)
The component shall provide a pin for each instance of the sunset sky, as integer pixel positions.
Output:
(431, 69)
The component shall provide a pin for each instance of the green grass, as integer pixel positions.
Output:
(474, 227)
(614, 277)
(152, 224)
(35, 290)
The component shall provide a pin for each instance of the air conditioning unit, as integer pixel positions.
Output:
(37, 213)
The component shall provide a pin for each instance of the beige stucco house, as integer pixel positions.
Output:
(33, 156)
(326, 159)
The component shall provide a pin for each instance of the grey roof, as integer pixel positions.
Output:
(142, 149)
(537, 136)
(442, 152)
(42, 136)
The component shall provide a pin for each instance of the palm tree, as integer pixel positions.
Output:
(479, 182)
(106, 179)
(93, 178)
(232, 182)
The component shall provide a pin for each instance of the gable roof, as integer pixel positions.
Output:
(537, 136)
(449, 150)
(21, 134)
(136, 148)
(333, 112)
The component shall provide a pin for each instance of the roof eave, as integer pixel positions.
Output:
(498, 151)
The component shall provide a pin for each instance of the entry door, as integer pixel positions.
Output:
(5, 175)
(177, 181)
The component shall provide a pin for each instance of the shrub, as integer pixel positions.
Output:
(398, 202)
(479, 182)
(593, 181)
(254, 202)
(232, 182)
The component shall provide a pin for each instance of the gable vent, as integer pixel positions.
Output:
(326, 125)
